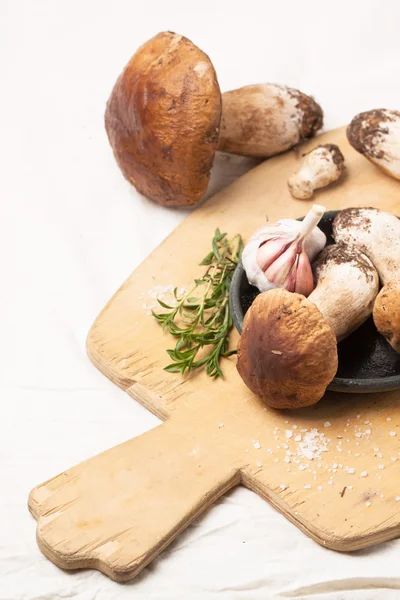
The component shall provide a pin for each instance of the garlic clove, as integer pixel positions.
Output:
(304, 275)
(269, 251)
(279, 270)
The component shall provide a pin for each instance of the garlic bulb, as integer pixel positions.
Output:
(279, 255)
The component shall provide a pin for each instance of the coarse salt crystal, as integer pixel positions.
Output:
(358, 435)
(330, 482)
(297, 438)
(349, 487)
(282, 486)
(294, 426)
(351, 470)
(276, 459)
(259, 464)
(220, 425)
(397, 498)
(358, 416)
(334, 466)
(368, 431)
(246, 450)
(376, 449)
(381, 467)
(285, 446)
(366, 422)
(389, 419)
(368, 503)
(307, 486)
(257, 445)
(392, 433)
(302, 468)
(286, 459)
(364, 473)
(319, 487)
(394, 458)
(327, 424)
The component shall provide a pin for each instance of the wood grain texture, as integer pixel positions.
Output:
(118, 510)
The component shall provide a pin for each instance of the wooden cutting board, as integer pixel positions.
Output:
(333, 469)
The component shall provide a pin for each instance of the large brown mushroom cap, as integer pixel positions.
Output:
(162, 120)
(387, 313)
(287, 353)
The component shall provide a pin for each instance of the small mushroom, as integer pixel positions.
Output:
(163, 120)
(287, 353)
(376, 233)
(319, 168)
(376, 135)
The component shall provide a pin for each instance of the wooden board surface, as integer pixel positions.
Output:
(117, 511)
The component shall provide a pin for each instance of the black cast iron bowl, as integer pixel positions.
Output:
(367, 363)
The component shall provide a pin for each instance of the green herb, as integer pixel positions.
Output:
(201, 318)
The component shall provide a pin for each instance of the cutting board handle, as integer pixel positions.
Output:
(117, 511)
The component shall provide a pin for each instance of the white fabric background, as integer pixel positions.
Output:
(72, 229)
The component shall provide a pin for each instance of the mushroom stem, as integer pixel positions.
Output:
(266, 119)
(347, 285)
(376, 233)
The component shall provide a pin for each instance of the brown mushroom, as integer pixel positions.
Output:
(164, 113)
(287, 353)
(377, 234)
(376, 135)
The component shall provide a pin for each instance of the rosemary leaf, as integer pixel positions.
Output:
(201, 318)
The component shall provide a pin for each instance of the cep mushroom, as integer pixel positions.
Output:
(377, 234)
(376, 135)
(165, 113)
(319, 168)
(287, 353)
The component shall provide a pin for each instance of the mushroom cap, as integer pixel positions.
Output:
(376, 135)
(287, 353)
(374, 232)
(162, 120)
(387, 313)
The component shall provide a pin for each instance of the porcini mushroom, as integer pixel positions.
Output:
(377, 234)
(319, 168)
(287, 353)
(164, 113)
(376, 135)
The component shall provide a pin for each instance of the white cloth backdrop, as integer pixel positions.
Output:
(72, 229)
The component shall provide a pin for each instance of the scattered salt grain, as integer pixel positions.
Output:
(307, 486)
(302, 467)
(327, 424)
(364, 473)
(368, 431)
(330, 482)
(257, 445)
(297, 438)
(349, 487)
(397, 498)
(246, 450)
(276, 459)
(220, 425)
(381, 466)
(394, 458)
(351, 470)
(334, 466)
(392, 433)
(358, 416)
(286, 459)
(294, 426)
(358, 435)
(376, 449)
(368, 503)
(319, 487)
(389, 419)
(259, 464)
(282, 486)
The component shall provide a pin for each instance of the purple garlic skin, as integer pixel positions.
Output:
(279, 255)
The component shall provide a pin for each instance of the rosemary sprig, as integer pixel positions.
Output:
(200, 318)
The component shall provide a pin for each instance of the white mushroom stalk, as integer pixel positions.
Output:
(376, 135)
(319, 168)
(377, 234)
(279, 255)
